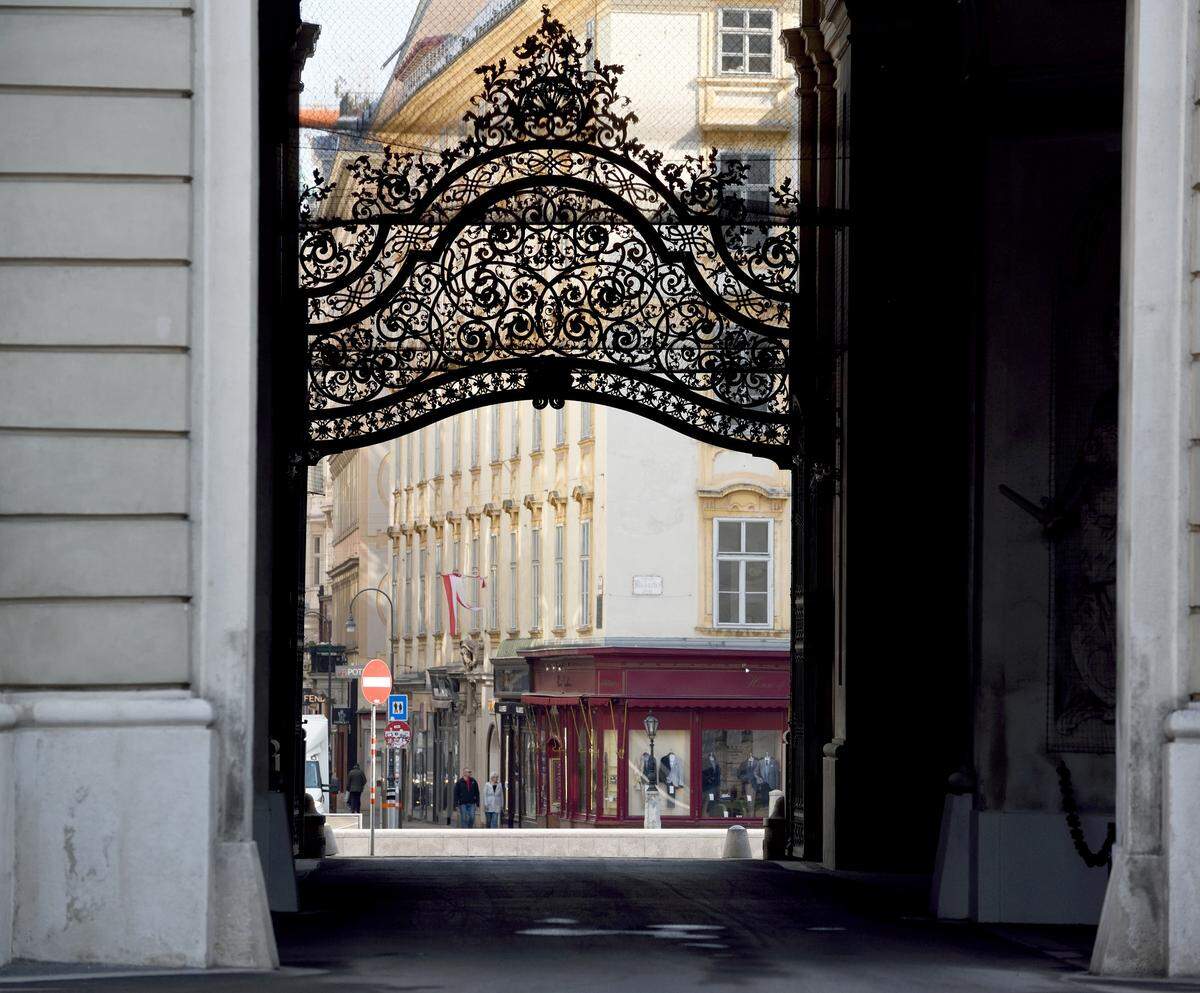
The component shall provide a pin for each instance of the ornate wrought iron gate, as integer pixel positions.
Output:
(550, 255)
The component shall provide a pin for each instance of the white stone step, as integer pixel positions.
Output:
(668, 843)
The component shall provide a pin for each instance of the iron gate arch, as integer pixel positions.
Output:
(551, 255)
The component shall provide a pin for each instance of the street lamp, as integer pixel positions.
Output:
(653, 814)
(351, 627)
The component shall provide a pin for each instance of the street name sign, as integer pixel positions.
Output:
(376, 682)
(398, 707)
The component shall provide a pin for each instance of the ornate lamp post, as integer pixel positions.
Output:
(653, 815)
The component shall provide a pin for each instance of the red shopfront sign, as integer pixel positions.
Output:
(656, 682)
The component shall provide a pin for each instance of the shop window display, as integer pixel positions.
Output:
(609, 770)
(669, 769)
(739, 769)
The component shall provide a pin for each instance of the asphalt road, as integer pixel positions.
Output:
(619, 926)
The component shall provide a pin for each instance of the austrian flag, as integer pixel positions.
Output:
(455, 586)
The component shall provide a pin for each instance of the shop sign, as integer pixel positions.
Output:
(341, 715)
(647, 586)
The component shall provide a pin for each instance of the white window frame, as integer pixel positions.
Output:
(496, 421)
(535, 578)
(475, 439)
(585, 573)
(422, 584)
(745, 32)
(513, 545)
(743, 557)
(494, 581)
(408, 611)
(422, 466)
(537, 431)
(560, 426)
(514, 442)
(587, 416)
(439, 600)
(437, 449)
(456, 445)
(560, 576)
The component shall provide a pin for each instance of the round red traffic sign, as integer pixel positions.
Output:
(398, 726)
(376, 681)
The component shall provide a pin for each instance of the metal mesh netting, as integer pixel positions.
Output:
(584, 200)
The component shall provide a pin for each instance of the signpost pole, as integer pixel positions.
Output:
(372, 850)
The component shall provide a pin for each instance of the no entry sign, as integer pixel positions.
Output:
(376, 682)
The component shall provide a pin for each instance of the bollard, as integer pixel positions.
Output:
(737, 843)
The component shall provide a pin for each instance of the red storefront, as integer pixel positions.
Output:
(718, 751)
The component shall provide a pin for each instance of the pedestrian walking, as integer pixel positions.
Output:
(466, 799)
(493, 800)
(356, 781)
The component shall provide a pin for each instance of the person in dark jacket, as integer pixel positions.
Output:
(466, 799)
(356, 781)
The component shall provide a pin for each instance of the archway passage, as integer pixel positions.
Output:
(551, 255)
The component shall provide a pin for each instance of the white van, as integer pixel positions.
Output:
(316, 760)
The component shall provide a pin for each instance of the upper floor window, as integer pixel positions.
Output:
(585, 573)
(514, 438)
(513, 621)
(744, 39)
(439, 601)
(586, 415)
(437, 449)
(475, 439)
(537, 430)
(535, 579)
(408, 611)
(560, 576)
(419, 437)
(422, 575)
(456, 445)
(742, 565)
(494, 582)
(496, 434)
(560, 426)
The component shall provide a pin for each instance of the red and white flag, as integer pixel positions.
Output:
(454, 585)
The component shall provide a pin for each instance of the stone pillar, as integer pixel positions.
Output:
(1151, 917)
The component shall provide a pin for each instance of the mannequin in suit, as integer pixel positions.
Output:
(710, 782)
(768, 770)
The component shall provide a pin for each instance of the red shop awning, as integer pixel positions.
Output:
(549, 700)
(707, 703)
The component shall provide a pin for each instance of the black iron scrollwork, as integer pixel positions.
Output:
(549, 254)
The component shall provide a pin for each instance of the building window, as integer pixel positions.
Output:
(496, 433)
(408, 627)
(475, 439)
(456, 562)
(514, 440)
(535, 578)
(409, 444)
(494, 581)
(439, 611)
(456, 445)
(742, 567)
(437, 449)
(745, 39)
(585, 420)
(474, 572)
(585, 573)
(316, 561)
(421, 466)
(537, 430)
(422, 577)
(560, 426)
(345, 500)
(512, 580)
(559, 576)
(755, 190)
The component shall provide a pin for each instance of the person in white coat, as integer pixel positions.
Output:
(493, 800)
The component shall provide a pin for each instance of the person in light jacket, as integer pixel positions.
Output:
(493, 800)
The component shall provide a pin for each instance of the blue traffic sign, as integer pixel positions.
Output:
(398, 707)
